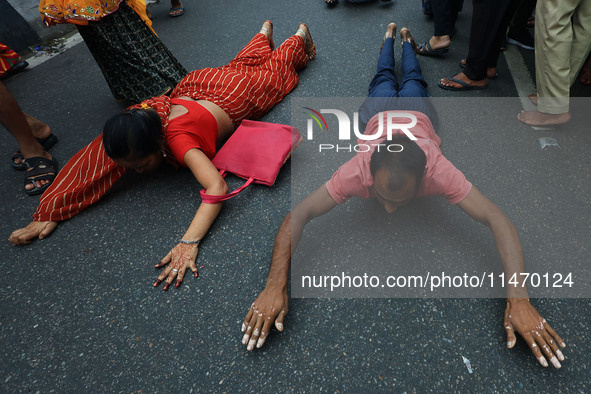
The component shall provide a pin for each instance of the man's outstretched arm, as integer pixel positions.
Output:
(520, 315)
(272, 303)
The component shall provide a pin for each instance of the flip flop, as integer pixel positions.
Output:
(180, 9)
(46, 143)
(427, 50)
(465, 86)
(42, 169)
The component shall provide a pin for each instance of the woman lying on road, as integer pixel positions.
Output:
(184, 129)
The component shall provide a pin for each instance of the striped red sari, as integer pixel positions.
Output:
(250, 85)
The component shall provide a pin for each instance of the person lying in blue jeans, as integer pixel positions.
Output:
(395, 178)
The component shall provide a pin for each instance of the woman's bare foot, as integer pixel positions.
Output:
(304, 32)
(390, 33)
(267, 30)
(536, 118)
(405, 36)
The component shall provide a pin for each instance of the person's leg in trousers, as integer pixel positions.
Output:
(486, 17)
(445, 13)
(384, 82)
(518, 33)
(495, 48)
(581, 38)
(413, 94)
(553, 34)
(413, 84)
(383, 85)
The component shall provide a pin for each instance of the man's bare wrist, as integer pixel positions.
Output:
(273, 285)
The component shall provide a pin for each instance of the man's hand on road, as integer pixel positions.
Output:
(521, 316)
(271, 304)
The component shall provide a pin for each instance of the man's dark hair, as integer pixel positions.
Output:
(410, 160)
(134, 133)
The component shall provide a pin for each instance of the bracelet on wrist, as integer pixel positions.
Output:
(197, 242)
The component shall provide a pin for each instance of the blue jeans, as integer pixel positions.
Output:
(386, 94)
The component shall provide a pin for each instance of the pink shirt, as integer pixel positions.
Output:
(441, 178)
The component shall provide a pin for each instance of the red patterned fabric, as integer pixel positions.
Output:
(8, 59)
(251, 84)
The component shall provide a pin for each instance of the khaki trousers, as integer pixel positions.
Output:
(563, 41)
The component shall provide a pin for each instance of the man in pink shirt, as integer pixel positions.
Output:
(415, 168)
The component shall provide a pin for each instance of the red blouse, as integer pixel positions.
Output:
(195, 129)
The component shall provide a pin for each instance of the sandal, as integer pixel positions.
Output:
(41, 169)
(21, 165)
(410, 39)
(270, 36)
(178, 11)
(464, 85)
(310, 52)
(46, 143)
(394, 30)
(427, 50)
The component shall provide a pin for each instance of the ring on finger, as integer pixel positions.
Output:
(175, 270)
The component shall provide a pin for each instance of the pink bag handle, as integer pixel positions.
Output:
(210, 199)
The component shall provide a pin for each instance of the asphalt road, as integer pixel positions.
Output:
(79, 314)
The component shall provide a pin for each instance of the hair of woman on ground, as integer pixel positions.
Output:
(135, 133)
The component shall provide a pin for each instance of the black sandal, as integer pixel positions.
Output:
(427, 50)
(41, 169)
(46, 143)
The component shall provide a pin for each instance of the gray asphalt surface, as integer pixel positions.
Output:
(78, 311)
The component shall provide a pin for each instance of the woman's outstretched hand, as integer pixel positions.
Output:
(181, 257)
